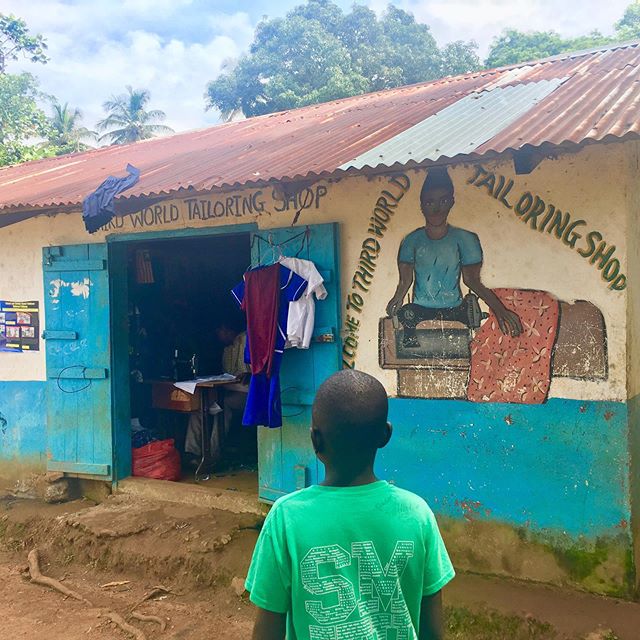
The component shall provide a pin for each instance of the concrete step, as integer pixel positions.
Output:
(211, 495)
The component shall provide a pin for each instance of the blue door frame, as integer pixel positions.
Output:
(286, 459)
(117, 245)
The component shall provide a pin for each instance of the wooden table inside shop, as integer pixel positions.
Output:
(165, 395)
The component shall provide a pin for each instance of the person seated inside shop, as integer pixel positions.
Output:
(434, 258)
(234, 396)
(234, 340)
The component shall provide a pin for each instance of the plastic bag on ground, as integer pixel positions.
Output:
(159, 460)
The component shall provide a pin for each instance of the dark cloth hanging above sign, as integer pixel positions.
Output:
(98, 208)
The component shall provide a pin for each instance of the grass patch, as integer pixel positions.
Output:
(463, 624)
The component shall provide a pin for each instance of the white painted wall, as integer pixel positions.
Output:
(592, 184)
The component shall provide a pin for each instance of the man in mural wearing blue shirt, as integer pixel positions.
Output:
(436, 256)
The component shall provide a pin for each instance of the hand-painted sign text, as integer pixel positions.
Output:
(545, 217)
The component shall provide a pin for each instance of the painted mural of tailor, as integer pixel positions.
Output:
(441, 343)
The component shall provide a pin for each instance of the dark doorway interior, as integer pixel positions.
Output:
(178, 297)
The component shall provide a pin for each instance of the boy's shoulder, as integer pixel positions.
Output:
(288, 501)
(307, 498)
(412, 500)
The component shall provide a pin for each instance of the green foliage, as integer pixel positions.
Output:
(66, 135)
(22, 121)
(628, 27)
(318, 53)
(15, 41)
(517, 46)
(128, 120)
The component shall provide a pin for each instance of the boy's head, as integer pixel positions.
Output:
(349, 419)
(436, 196)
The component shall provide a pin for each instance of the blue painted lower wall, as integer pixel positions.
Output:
(563, 466)
(23, 436)
(560, 473)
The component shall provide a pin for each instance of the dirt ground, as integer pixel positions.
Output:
(199, 555)
(31, 611)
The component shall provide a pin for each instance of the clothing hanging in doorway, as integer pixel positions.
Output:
(264, 295)
(302, 312)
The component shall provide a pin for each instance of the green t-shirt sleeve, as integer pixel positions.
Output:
(269, 578)
(438, 570)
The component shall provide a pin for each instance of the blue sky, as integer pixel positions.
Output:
(174, 47)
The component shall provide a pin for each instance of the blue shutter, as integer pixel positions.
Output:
(286, 458)
(77, 334)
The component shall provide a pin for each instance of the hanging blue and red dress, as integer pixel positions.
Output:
(264, 295)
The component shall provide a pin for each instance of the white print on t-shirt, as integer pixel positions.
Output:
(381, 607)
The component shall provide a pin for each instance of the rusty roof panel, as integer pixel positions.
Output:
(598, 98)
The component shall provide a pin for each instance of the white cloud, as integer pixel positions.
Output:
(174, 47)
(88, 64)
(481, 20)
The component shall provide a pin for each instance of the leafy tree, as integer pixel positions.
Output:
(628, 27)
(318, 53)
(15, 41)
(128, 120)
(458, 57)
(21, 119)
(66, 135)
(515, 46)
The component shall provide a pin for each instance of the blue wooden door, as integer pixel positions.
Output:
(286, 458)
(77, 334)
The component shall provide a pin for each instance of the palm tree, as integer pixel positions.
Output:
(127, 119)
(66, 133)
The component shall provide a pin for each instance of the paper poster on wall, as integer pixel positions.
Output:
(19, 326)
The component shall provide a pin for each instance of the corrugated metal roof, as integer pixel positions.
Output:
(572, 98)
(459, 128)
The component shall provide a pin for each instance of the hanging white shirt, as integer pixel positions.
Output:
(302, 312)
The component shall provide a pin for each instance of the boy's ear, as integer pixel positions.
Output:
(316, 440)
(386, 435)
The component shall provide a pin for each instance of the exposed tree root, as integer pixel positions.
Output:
(144, 618)
(119, 621)
(156, 591)
(52, 583)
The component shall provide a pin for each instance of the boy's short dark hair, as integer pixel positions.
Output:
(351, 408)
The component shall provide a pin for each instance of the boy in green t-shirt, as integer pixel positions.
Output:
(354, 558)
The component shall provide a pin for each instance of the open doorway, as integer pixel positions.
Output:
(184, 323)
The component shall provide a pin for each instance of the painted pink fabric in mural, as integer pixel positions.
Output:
(506, 369)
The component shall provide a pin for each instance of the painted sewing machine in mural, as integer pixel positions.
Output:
(471, 358)
(444, 346)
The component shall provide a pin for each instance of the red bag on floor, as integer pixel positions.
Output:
(159, 460)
